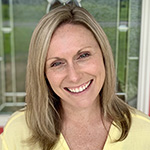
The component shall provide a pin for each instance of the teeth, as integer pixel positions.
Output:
(80, 89)
(77, 90)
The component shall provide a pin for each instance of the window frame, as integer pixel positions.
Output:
(143, 101)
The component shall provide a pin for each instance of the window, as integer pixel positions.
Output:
(120, 19)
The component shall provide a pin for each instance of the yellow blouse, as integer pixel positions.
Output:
(16, 132)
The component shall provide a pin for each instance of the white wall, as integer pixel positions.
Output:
(144, 60)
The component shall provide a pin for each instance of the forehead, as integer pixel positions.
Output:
(72, 31)
(70, 38)
(67, 27)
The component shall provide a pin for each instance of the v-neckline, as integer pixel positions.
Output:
(64, 146)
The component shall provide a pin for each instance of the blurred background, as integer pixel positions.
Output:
(121, 21)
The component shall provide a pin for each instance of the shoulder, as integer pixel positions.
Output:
(16, 131)
(16, 121)
(139, 119)
(138, 136)
(140, 127)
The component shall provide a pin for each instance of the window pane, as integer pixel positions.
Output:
(120, 20)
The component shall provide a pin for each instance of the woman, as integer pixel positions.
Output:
(71, 101)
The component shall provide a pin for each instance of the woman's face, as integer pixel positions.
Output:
(75, 67)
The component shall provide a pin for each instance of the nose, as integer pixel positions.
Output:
(74, 73)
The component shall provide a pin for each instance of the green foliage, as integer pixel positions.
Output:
(122, 60)
(6, 43)
(124, 10)
(27, 14)
(101, 11)
(5, 11)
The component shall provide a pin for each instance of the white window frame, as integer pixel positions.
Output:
(143, 102)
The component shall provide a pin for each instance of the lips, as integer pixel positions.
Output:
(80, 88)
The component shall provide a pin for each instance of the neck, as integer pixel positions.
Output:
(82, 115)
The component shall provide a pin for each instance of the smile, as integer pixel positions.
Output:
(81, 88)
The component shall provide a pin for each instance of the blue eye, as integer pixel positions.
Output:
(55, 64)
(84, 55)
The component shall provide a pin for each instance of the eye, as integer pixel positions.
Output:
(56, 64)
(84, 55)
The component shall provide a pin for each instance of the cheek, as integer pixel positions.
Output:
(101, 71)
(100, 75)
(97, 67)
(54, 79)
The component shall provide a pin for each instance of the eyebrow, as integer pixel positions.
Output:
(78, 52)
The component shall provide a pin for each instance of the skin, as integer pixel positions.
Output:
(76, 72)
(74, 59)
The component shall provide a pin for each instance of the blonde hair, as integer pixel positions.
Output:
(43, 112)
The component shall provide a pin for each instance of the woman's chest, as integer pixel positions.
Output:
(85, 138)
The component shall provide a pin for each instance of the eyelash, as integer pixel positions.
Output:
(55, 64)
(84, 55)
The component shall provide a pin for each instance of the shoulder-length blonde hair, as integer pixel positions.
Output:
(43, 107)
